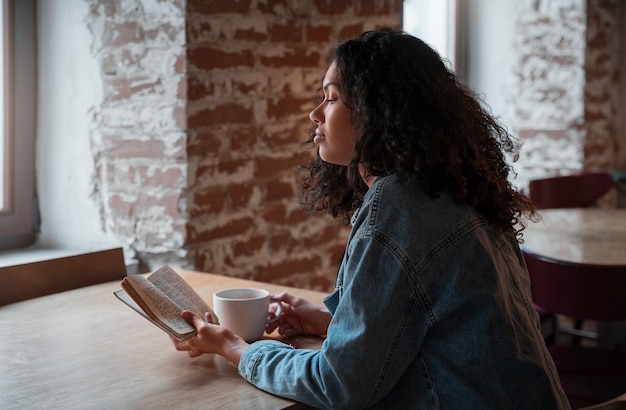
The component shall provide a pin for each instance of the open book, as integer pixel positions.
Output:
(161, 297)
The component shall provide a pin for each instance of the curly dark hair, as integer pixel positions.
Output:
(413, 118)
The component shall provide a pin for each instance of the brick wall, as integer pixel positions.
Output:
(566, 86)
(205, 107)
(602, 73)
(202, 127)
(549, 86)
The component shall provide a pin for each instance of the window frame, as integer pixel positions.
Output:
(18, 219)
(453, 25)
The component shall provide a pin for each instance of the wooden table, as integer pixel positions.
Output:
(84, 349)
(589, 235)
(585, 235)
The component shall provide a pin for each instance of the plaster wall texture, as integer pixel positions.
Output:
(183, 121)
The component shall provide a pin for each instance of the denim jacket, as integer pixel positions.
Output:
(432, 310)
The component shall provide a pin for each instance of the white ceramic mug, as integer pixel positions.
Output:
(245, 311)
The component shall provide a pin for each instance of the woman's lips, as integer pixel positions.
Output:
(318, 138)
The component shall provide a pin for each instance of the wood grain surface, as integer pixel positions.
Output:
(84, 349)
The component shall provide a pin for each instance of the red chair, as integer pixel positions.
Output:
(571, 191)
(589, 375)
(618, 403)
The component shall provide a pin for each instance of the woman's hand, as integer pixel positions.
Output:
(211, 338)
(299, 317)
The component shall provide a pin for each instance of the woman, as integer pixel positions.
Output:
(432, 307)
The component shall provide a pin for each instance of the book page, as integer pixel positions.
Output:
(179, 291)
(125, 297)
(156, 304)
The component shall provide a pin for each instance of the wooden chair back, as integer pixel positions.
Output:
(570, 191)
(585, 291)
(618, 403)
(31, 280)
(589, 375)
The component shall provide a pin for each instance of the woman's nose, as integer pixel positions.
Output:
(315, 116)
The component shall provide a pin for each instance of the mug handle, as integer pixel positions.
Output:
(277, 313)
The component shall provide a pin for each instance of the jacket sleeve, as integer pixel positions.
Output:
(376, 332)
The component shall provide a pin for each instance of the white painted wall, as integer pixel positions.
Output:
(621, 106)
(69, 85)
(490, 55)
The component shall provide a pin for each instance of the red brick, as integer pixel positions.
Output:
(282, 240)
(211, 202)
(240, 194)
(250, 35)
(284, 107)
(228, 113)
(207, 58)
(198, 89)
(169, 202)
(329, 234)
(249, 247)
(197, 31)
(232, 166)
(287, 268)
(272, 6)
(181, 90)
(267, 167)
(172, 177)
(321, 283)
(123, 33)
(231, 228)
(331, 7)
(203, 144)
(291, 139)
(127, 87)
(165, 29)
(336, 253)
(138, 149)
(180, 66)
(279, 190)
(243, 137)
(121, 207)
(289, 32)
(297, 216)
(276, 214)
(351, 31)
(201, 261)
(212, 7)
(245, 88)
(369, 8)
(180, 117)
(318, 34)
(295, 57)
(396, 8)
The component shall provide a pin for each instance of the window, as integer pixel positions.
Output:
(436, 22)
(4, 148)
(17, 119)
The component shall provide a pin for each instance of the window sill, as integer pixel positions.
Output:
(36, 253)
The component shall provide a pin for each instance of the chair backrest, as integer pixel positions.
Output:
(31, 280)
(570, 191)
(618, 403)
(584, 291)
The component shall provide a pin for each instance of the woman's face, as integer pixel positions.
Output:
(334, 133)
